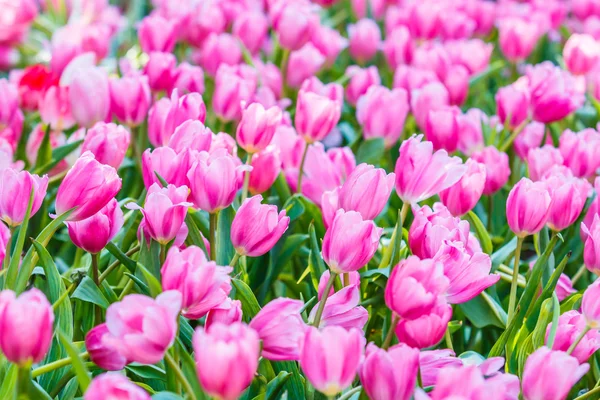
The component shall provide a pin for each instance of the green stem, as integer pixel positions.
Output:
(512, 302)
(580, 272)
(448, 337)
(63, 362)
(348, 395)
(6, 261)
(390, 335)
(387, 253)
(514, 135)
(114, 265)
(23, 383)
(576, 342)
(301, 169)
(319, 314)
(589, 394)
(126, 289)
(163, 253)
(234, 260)
(95, 276)
(283, 68)
(180, 377)
(213, 221)
(246, 178)
(63, 296)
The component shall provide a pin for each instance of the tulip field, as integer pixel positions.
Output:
(299, 199)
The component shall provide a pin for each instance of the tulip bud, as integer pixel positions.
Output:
(360, 81)
(530, 137)
(390, 374)
(266, 166)
(130, 99)
(431, 96)
(517, 38)
(226, 359)
(108, 142)
(422, 173)
(342, 307)
(228, 312)
(415, 287)
(251, 27)
(294, 23)
(457, 84)
(316, 115)
(190, 79)
(15, 190)
(426, 330)
(540, 160)
(591, 251)
(303, 64)
(257, 127)
(55, 108)
(161, 71)
(568, 195)
(191, 135)
(581, 151)
(581, 53)
(431, 362)
(441, 128)
(497, 169)
(32, 313)
(398, 47)
(205, 18)
(114, 385)
(462, 197)
(382, 112)
(219, 49)
(528, 207)
(590, 304)
(570, 326)
(512, 104)
(94, 233)
(339, 355)
(365, 39)
(550, 374)
(329, 42)
(350, 242)
(167, 114)
(164, 161)
(89, 95)
(101, 353)
(156, 33)
(87, 187)
(233, 85)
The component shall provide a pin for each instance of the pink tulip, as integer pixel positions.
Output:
(528, 207)
(9, 102)
(294, 22)
(512, 104)
(591, 251)
(251, 27)
(415, 287)
(257, 127)
(365, 39)
(470, 128)
(430, 96)
(219, 49)
(223, 142)
(581, 151)
(15, 190)
(228, 312)
(564, 287)
(18, 18)
(87, 187)
(456, 25)
(164, 211)
(517, 38)
(431, 362)
(333, 91)
(343, 159)
(462, 197)
(540, 160)
(330, 357)
(316, 115)
(434, 57)
(554, 92)
(94, 233)
(422, 173)
(161, 71)
(569, 196)
(329, 42)
(530, 137)
(570, 326)
(342, 307)
(156, 33)
(114, 385)
(350, 242)
(497, 169)
(171, 166)
(130, 99)
(590, 305)
(411, 79)
(203, 285)
(457, 84)
(55, 108)
(360, 81)
(349, 279)
(233, 85)
(423, 19)
(266, 166)
(441, 128)
(202, 20)
(190, 78)
(428, 329)
(102, 354)
(398, 47)
(581, 53)
(390, 374)
(192, 135)
(473, 54)
(280, 327)
(214, 180)
(473, 385)
(30, 313)
(89, 95)
(4, 239)
(226, 359)
(108, 142)
(550, 374)
(382, 112)
(469, 274)
(303, 64)
(142, 329)
(377, 8)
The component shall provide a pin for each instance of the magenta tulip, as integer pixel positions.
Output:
(190, 78)
(251, 27)
(541, 160)
(360, 82)
(581, 151)
(569, 195)
(130, 99)
(497, 168)
(233, 85)
(193, 135)
(426, 330)
(342, 307)
(266, 166)
(462, 197)
(294, 23)
(219, 49)
(94, 233)
(228, 312)
(581, 53)
(442, 128)
(257, 127)
(90, 96)
(108, 142)
(316, 115)
(156, 33)
(15, 191)
(55, 108)
(528, 207)
(161, 71)
(570, 326)
(517, 38)
(114, 386)
(166, 162)
(590, 305)
(530, 138)
(102, 353)
(512, 104)
(365, 39)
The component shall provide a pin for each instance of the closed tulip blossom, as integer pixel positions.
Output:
(226, 358)
(257, 127)
(114, 385)
(360, 82)
(365, 39)
(219, 49)
(541, 160)
(228, 312)
(415, 287)
(167, 114)
(293, 22)
(166, 162)
(280, 327)
(430, 96)
(29, 312)
(55, 108)
(330, 357)
(442, 128)
(512, 104)
(581, 53)
(591, 250)
(390, 374)
(550, 374)
(4, 240)
(462, 197)
(157, 34)
(316, 115)
(528, 207)
(581, 151)
(422, 173)
(517, 38)
(426, 330)
(161, 71)
(251, 27)
(342, 307)
(530, 137)
(431, 362)
(233, 85)
(130, 99)
(141, 328)
(191, 134)
(15, 190)
(350, 242)
(382, 112)
(90, 96)
(329, 42)
(497, 168)
(257, 227)
(108, 142)
(569, 195)
(398, 47)
(87, 187)
(102, 353)
(190, 78)
(203, 284)
(570, 326)
(94, 233)
(590, 305)
(266, 166)
(164, 211)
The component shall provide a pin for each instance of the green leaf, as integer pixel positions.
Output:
(81, 371)
(481, 232)
(88, 291)
(502, 254)
(122, 257)
(7, 390)
(58, 154)
(44, 154)
(194, 235)
(315, 260)
(484, 311)
(226, 250)
(243, 293)
(149, 257)
(282, 188)
(147, 371)
(295, 384)
(275, 388)
(13, 267)
(294, 208)
(370, 151)
(153, 284)
(188, 367)
(539, 333)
